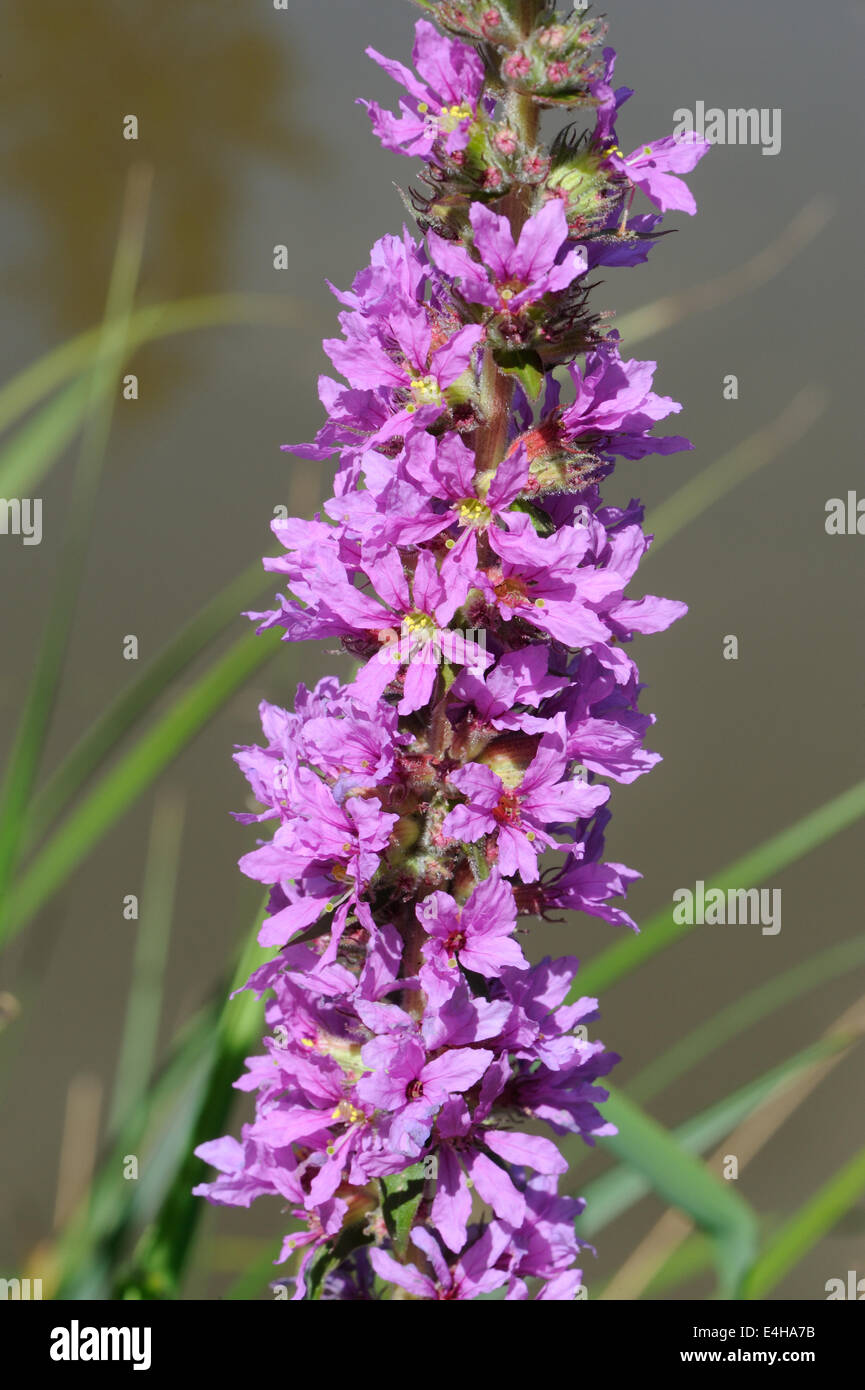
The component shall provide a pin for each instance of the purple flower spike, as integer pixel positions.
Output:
(412, 818)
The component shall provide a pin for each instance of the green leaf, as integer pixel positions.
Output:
(73, 358)
(88, 1246)
(684, 1182)
(752, 868)
(526, 366)
(609, 1196)
(752, 1008)
(813, 1221)
(30, 454)
(119, 788)
(158, 1265)
(402, 1194)
(133, 703)
(42, 694)
(332, 1256)
(144, 1007)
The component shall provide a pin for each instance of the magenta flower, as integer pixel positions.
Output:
(478, 934)
(518, 816)
(655, 168)
(441, 106)
(511, 274)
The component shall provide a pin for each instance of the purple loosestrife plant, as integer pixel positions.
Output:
(469, 563)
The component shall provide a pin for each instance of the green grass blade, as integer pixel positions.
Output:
(72, 359)
(726, 473)
(40, 701)
(87, 1248)
(609, 1196)
(31, 453)
(753, 1008)
(160, 1261)
(751, 869)
(683, 1181)
(803, 1230)
(799, 233)
(122, 784)
(134, 702)
(156, 910)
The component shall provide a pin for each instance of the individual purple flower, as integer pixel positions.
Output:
(615, 406)
(403, 1082)
(511, 274)
(476, 934)
(655, 168)
(474, 1273)
(442, 106)
(518, 815)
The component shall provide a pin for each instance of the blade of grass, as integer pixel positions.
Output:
(129, 707)
(748, 1139)
(752, 868)
(87, 1248)
(754, 1008)
(39, 705)
(32, 451)
(804, 228)
(123, 783)
(615, 1192)
(31, 385)
(158, 1265)
(156, 909)
(726, 473)
(683, 1181)
(813, 1221)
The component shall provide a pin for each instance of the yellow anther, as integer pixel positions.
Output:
(426, 391)
(473, 512)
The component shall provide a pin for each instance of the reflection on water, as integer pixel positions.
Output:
(212, 93)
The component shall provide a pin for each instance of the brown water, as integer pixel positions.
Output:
(247, 118)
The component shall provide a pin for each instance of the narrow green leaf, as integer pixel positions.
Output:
(804, 1229)
(744, 1013)
(42, 694)
(72, 359)
(526, 366)
(156, 910)
(30, 454)
(684, 1182)
(127, 710)
(609, 1196)
(119, 788)
(752, 868)
(164, 1250)
(402, 1194)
